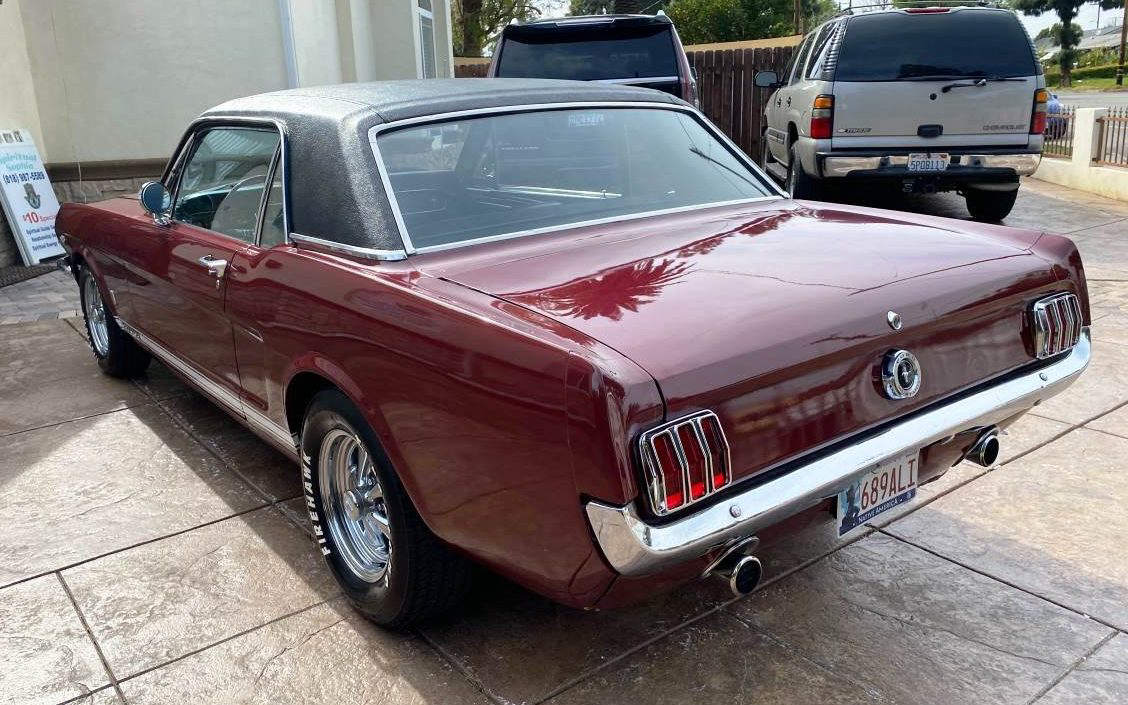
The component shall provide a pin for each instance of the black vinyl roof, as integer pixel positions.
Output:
(333, 186)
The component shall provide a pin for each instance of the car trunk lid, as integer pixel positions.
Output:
(775, 317)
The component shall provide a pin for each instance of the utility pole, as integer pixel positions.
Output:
(1123, 37)
(799, 17)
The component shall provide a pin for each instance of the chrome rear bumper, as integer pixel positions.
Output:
(1020, 164)
(633, 547)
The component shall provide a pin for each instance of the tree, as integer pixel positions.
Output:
(1053, 32)
(1066, 11)
(706, 21)
(476, 23)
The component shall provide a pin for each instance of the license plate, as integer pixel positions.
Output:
(928, 162)
(892, 482)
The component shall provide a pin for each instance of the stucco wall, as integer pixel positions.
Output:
(119, 79)
(17, 99)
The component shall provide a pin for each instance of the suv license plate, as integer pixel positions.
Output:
(892, 482)
(927, 162)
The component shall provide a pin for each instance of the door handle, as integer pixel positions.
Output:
(216, 267)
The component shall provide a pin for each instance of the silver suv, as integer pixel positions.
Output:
(929, 98)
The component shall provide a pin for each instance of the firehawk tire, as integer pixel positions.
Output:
(386, 560)
(990, 206)
(118, 354)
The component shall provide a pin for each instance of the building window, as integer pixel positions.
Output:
(426, 38)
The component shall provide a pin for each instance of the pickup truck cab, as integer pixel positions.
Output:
(930, 98)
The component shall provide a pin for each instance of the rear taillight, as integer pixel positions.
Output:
(822, 117)
(926, 10)
(685, 461)
(1038, 117)
(1056, 322)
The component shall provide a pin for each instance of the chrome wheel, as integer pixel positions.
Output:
(354, 505)
(96, 317)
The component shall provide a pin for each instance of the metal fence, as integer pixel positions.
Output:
(1059, 133)
(725, 90)
(1112, 138)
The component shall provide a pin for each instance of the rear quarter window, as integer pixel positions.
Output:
(963, 43)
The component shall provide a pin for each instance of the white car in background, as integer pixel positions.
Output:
(929, 98)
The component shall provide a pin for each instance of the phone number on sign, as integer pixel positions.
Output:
(24, 177)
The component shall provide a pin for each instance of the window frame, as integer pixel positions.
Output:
(419, 14)
(773, 191)
(174, 169)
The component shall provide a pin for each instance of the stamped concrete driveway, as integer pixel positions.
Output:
(155, 552)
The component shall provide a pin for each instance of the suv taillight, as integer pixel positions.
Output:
(684, 461)
(822, 117)
(1038, 117)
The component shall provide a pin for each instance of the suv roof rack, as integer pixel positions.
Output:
(852, 9)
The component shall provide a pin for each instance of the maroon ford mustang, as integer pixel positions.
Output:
(563, 330)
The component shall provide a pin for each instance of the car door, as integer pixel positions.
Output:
(780, 103)
(217, 197)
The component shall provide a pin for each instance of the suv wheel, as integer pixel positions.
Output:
(989, 206)
(799, 183)
(386, 560)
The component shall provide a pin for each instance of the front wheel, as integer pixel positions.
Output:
(990, 206)
(118, 354)
(386, 560)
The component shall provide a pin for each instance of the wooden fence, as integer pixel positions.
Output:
(725, 90)
(727, 96)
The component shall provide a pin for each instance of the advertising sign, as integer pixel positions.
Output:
(25, 193)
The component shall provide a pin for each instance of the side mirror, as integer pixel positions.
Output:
(766, 79)
(156, 200)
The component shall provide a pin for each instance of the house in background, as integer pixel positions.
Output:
(107, 86)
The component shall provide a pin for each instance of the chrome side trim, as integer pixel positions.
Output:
(634, 547)
(409, 248)
(315, 243)
(217, 392)
(1022, 164)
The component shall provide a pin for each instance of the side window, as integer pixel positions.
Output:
(801, 58)
(221, 184)
(273, 220)
(818, 52)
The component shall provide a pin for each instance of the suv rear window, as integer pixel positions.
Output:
(897, 46)
(589, 54)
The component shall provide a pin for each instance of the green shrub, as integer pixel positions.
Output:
(1053, 78)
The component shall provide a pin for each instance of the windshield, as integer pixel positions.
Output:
(590, 55)
(899, 46)
(495, 175)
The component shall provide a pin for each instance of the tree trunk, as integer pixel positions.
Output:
(1065, 60)
(471, 21)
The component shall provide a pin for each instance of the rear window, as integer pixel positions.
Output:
(502, 174)
(898, 46)
(589, 54)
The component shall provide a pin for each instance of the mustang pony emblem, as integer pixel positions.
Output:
(32, 197)
(900, 374)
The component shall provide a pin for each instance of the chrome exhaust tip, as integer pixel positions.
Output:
(742, 574)
(985, 452)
